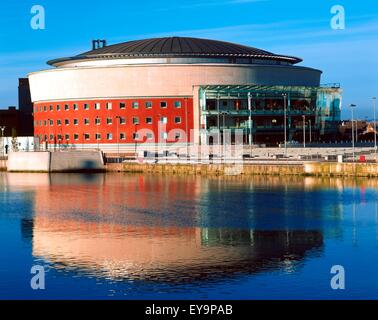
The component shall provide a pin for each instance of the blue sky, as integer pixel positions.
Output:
(300, 28)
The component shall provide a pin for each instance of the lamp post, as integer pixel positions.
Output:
(352, 106)
(2, 138)
(285, 135)
(375, 127)
(304, 131)
(97, 133)
(118, 119)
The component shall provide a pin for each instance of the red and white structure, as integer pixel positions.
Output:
(105, 97)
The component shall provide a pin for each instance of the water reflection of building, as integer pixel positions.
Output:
(148, 227)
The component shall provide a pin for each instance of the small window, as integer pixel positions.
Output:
(44, 108)
(122, 136)
(51, 108)
(177, 104)
(66, 122)
(135, 136)
(51, 137)
(108, 106)
(98, 136)
(163, 104)
(59, 137)
(122, 105)
(177, 119)
(97, 106)
(76, 122)
(66, 107)
(51, 122)
(122, 120)
(149, 120)
(148, 105)
(86, 106)
(59, 122)
(86, 136)
(109, 120)
(67, 137)
(149, 136)
(75, 106)
(135, 120)
(97, 121)
(109, 136)
(86, 121)
(58, 107)
(135, 105)
(177, 135)
(164, 120)
(76, 136)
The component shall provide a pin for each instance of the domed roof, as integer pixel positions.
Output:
(177, 47)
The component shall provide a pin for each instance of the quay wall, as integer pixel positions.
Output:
(321, 169)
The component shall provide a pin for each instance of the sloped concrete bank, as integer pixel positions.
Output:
(70, 161)
(326, 169)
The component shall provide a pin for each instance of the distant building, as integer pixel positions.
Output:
(19, 122)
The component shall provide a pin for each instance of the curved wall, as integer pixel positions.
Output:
(64, 84)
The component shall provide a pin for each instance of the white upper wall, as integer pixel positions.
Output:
(108, 82)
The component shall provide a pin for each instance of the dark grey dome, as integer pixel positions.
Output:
(178, 47)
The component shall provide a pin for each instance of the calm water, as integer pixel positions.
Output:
(149, 237)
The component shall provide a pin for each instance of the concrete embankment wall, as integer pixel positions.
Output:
(55, 161)
(305, 169)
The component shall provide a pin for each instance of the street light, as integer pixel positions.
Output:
(118, 119)
(304, 131)
(375, 127)
(285, 103)
(352, 106)
(2, 138)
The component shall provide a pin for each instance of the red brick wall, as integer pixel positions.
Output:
(128, 113)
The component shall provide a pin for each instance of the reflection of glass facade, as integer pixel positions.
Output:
(260, 111)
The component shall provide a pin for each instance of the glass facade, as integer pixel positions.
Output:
(260, 112)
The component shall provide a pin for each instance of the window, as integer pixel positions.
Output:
(135, 120)
(109, 120)
(177, 119)
(148, 120)
(59, 122)
(59, 137)
(40, 123)
(164, 120)
(86, 106)
(109, 136)
(51, 108)
(76, 122)
(163, 104)
(122, 105)
(148, 105)
(177, 135)
(149, 136)
(108, 106)
(58, 107)
(75, 106)
(135, 136)
(122, 120)
(177, 104)
(51, 122)
(66, 107)
(98, 136)
(67, 137)
(35, 109)
(51, 137)
(97, 106)
(97, 121)
(66, 122)
(122, 136)
(135, 105)
(86, 121)
(86, 136)
(76, 136)
(45, 122)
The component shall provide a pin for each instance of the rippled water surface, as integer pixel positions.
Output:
(122, 236)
